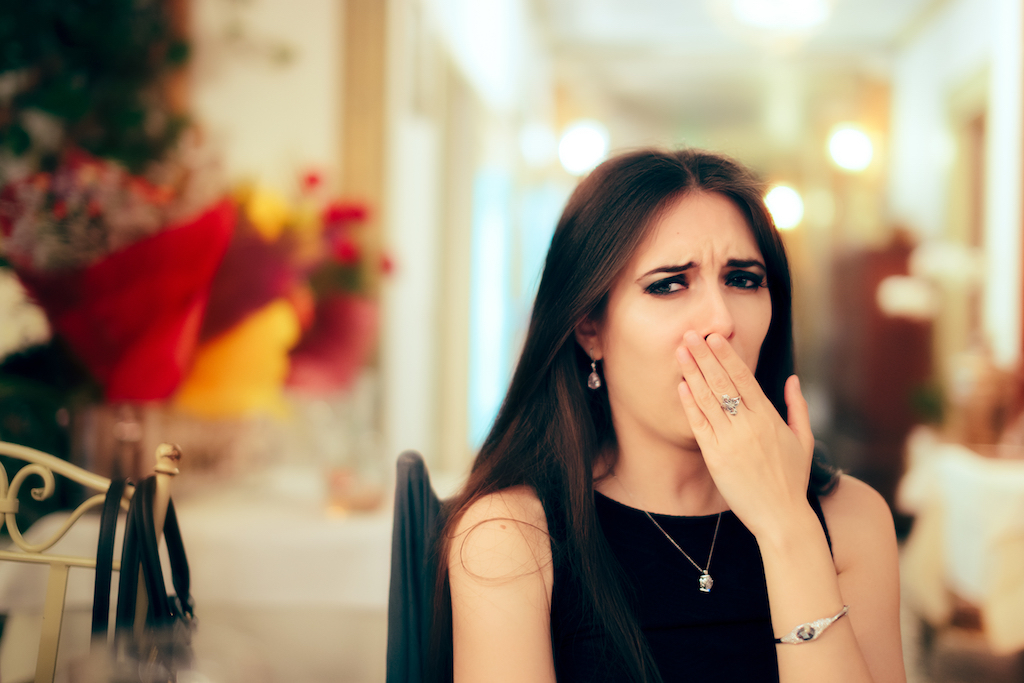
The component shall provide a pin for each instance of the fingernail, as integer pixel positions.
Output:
(715, 340)
(691, 337)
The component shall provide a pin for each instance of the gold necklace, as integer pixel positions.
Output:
(705, 581)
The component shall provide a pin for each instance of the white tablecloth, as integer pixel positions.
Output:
(968, 536)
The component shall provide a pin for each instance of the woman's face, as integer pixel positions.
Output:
(699, 269)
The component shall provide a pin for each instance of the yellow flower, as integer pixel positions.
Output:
(241, 372)
(268, 212)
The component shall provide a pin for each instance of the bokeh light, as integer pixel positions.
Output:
(583, 146)
(786, 206)
(850, 148)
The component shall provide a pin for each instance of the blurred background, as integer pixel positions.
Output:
(300, 236)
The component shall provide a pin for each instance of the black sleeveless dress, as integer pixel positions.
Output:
(725, 635)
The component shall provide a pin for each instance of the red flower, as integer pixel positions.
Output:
(338, 213)
(387, 264)
(60, 210)
(340, 342)
(346, 251)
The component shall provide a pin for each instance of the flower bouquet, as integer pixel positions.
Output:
(288, 307)
(122, 266)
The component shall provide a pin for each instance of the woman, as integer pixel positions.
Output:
(647, 506)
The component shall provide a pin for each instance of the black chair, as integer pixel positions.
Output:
(417, 518)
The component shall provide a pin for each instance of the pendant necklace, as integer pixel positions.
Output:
(705, 582)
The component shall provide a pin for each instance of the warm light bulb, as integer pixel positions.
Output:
(850, 148)
(786, 206)
(583, 146)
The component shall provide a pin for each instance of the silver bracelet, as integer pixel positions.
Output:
(805, 633)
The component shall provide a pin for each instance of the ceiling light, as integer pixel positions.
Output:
(786, 206)
(583, 146)
(782, 15)
(850, 148)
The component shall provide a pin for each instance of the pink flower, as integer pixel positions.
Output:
(311, 180)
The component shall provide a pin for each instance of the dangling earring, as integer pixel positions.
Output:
(594, 380)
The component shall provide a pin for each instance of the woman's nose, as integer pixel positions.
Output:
(715, 314)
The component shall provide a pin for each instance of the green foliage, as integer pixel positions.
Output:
(928, 403)
(96, 67)
(39, 389)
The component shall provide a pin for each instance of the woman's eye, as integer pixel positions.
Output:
(745, 280)
(667, 286)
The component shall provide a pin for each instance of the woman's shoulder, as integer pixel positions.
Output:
(502, 534)
(859, 521)
(519, 503)
(501, 579)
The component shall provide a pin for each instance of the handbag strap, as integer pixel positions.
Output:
(128, 583)
(141, 549)
(180, 577)
(149, 553)
(105, 557)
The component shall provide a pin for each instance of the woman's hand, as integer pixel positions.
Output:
(760, 464)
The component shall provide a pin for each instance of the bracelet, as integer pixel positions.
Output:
(805, 633)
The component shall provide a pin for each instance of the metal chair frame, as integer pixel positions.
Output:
(45, 466)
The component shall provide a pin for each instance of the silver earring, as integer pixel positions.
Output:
(594, 380)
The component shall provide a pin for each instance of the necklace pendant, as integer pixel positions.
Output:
(706, 582)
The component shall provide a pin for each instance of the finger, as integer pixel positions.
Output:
(740, 374)
(799, 415)
(703, 396)
(699, 424)
(715, 375)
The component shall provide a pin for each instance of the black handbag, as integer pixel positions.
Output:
(162, 646)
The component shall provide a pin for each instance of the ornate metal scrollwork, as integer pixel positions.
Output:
(44, 466)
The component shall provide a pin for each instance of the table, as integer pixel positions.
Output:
(968, 536)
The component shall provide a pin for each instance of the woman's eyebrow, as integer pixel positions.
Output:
(668, 269)
(745, 263)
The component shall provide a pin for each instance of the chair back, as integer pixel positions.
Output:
(413, 566)
(45, 466)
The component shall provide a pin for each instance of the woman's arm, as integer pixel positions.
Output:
(866, 561)
(761, 467)
(805, 584)
(500, 571)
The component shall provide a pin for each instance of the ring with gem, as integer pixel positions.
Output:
(729, 404)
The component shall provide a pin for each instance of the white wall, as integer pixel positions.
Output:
(1003, 272)
(271, 120)
(492, 47)
(967, 38)
(950, 50)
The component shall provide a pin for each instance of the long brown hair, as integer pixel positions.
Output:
(551, 428)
